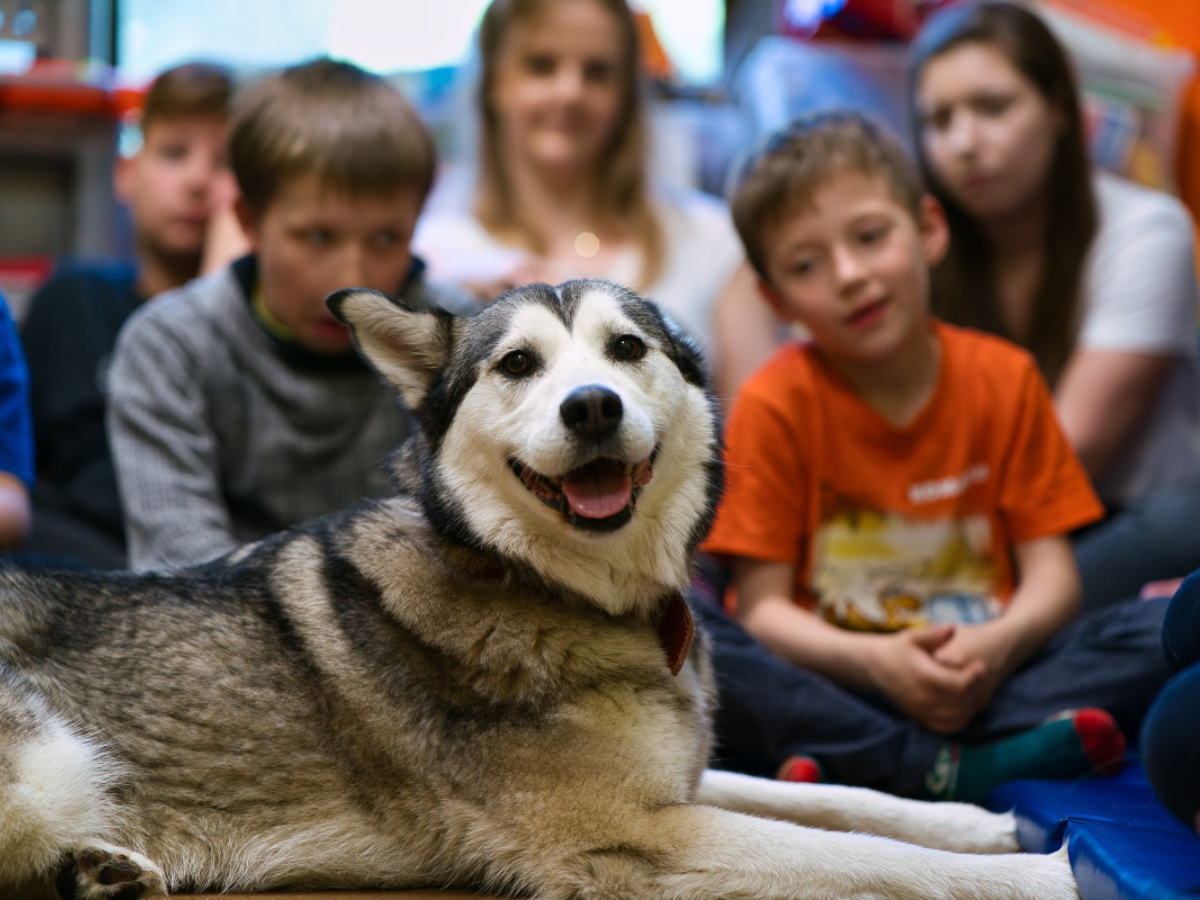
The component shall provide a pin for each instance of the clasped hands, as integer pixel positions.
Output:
(941, 675)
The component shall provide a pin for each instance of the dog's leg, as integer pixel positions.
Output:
(961, 827)
(696, 852)
(54, 800)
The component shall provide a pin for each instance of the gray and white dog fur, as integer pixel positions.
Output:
(460, 687)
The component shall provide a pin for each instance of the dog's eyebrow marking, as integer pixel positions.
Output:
(534, 328)
(601, 312)
(574, 294)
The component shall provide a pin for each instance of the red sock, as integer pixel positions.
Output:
(800, 769)
(1101, 740)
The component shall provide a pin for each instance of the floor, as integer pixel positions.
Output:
(338, 895)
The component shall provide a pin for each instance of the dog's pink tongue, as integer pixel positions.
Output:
(598, 491)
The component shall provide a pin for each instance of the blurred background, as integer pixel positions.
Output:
(723, 71)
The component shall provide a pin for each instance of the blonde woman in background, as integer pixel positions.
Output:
(562, 188)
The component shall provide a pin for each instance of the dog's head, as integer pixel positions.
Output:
(570, 429)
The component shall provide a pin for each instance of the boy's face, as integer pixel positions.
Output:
(313, 239)
(173, 183)
(854, 268)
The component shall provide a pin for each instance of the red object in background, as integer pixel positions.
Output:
(59, 86)
(887, 20)
(25, 270)
(1177, 23)
(20, 277)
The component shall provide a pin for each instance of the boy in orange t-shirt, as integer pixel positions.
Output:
(899, 495)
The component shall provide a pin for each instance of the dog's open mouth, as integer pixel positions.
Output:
(600, 495)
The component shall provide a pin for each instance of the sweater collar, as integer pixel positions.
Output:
(245, 272)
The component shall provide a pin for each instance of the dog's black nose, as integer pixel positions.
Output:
(592, 412)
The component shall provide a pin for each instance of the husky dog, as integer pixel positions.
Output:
(477, 684)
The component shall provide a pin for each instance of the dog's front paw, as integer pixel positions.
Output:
(104, 872)
(1048, 876)
(1062, 873)
(972, 829)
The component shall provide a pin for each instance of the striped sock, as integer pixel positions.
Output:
(1072, 744)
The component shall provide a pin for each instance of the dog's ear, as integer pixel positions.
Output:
(408, 345)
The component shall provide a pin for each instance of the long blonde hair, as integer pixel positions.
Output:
(623, 191)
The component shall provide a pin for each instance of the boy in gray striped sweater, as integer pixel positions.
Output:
(239, 406)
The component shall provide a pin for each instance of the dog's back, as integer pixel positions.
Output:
(276, 720)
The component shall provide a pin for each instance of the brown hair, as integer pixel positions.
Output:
(963, 284)
(188, 91)
(623, 193)
(785, 171)
(352, 128)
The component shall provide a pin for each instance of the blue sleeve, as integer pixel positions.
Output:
(16, 428)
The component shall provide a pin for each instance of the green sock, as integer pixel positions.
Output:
(1073, 744)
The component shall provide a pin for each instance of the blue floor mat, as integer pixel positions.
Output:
(1124, 843)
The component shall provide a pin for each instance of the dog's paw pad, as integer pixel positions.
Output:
(109, 873)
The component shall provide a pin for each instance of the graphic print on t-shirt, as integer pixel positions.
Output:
(881, 571)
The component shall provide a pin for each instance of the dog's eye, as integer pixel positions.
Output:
(518, 362)
(628, 347)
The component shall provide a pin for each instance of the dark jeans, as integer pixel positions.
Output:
(770, 709)
(1152, 540)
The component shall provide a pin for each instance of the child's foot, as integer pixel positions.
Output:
(800, 769)
(1073, 744)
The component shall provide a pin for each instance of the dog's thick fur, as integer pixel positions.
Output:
(465, 688)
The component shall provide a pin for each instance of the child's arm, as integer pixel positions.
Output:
(14, 511)
(1103, 397)
(1046, 599)
(901, 666)
(16, 436)
(745, 333)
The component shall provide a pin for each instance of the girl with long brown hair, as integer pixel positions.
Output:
(1093, 275)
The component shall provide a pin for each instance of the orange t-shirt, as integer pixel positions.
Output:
(891, 526)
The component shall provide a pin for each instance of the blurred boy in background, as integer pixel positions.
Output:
(176, 187)
(897, 507)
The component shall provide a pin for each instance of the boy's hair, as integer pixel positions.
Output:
(188, 91)
(788, 168)
(354, 130)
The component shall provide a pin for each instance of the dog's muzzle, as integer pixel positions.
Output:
(601, 494)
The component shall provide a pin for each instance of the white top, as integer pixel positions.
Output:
(702, 252)
(1141, 296)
